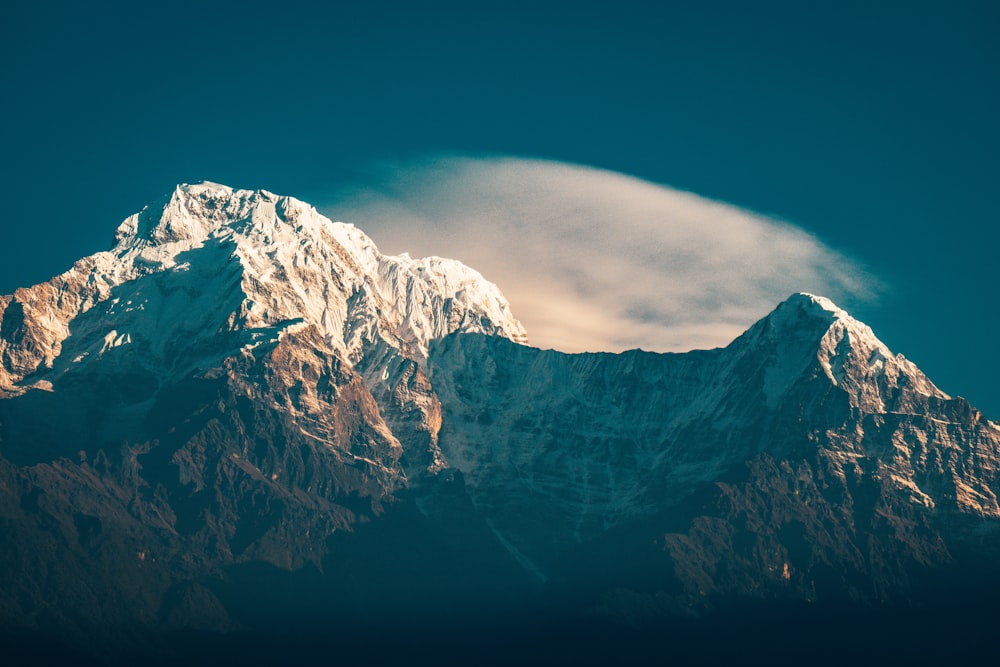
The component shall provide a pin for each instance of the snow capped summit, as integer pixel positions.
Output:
(627, 433)
(820, 301)
(806, 329)
(189, 213)
(210, 259)
(798, 308)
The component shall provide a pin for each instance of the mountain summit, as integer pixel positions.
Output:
(213, 262)
(243, 420)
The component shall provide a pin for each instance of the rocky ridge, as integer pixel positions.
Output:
(243, 386)
(626, 436)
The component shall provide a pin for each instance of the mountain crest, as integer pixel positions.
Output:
(807, 335)
(209, 258)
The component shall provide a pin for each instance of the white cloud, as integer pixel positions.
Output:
(595, 260)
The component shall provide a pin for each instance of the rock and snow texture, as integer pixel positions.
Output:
(211, 264)
(253, 377)
(849, 353)
(558, 448)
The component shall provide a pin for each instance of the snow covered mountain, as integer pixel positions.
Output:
(244, 415)
(212, 274)
(213, 260)
(807, 408)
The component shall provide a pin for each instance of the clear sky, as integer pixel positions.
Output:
(870, 126)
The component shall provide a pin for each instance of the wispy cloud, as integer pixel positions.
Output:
(595, 260)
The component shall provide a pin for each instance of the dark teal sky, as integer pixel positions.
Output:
(873, 127)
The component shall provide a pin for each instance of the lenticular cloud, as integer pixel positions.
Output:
(595, 260)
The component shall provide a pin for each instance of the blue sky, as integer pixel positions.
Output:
(871, 128)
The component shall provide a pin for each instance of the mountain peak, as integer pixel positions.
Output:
(807, 331)
(809, 317)
(203, 186)
(191, 213)
(816, 300)
(210, 259)
(804, 303)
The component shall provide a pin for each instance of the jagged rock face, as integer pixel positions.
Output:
(263, 461)
(557, 448)
(240, 383)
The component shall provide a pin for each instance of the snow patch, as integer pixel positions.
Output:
(111, 340)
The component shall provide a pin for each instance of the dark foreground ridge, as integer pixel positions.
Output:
(951, 627)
